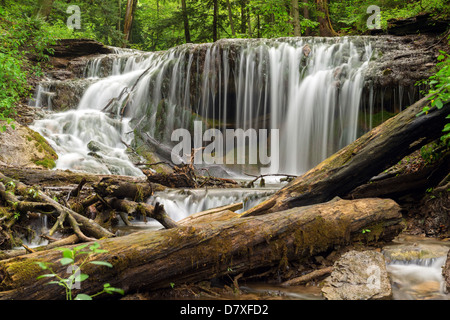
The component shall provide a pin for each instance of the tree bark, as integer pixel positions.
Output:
(187, 34)
(152, 260)
(214, 24)
(230, 17)
(306, 15)
(131, 5)
(363, 159)
(325, 27)
(295, 18)
(44, 8)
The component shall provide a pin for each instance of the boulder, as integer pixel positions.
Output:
(79, 47)
(24, 147)
(358, 275)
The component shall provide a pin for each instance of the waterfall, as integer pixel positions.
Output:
(310, 89)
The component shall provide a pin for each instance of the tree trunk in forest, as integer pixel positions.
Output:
(230, 17)
(243, 19)
(119, 20)
(295, 18)
(129, 13)
(363, 159)
(306, 16)
(187, 34)
(325, 27)
(153, 259)
(214, 24)
(44, 8)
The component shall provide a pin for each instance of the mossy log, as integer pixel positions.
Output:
(357, 163)
(412, 185)
(151, 260)
(64, 178)
(111, 187)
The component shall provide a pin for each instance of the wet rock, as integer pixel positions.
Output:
(25, 148)
(358, 276)
(413, 252)
(79, 47)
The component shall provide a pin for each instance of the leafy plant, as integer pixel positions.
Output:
(76, 276)
(440, 90)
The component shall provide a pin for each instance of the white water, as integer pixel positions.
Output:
(181, 203)
(421, 279)
(313, 100)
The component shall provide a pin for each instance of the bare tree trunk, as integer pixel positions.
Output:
(214, 25)
(325, 27)
(44, 8)
(187, 34)
(306, 16)
(131, 4)
(230, 16)
(295, 18)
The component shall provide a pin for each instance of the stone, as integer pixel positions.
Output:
(412, 252)
(358, 275)
(24, 147)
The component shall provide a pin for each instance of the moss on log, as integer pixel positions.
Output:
(151, 260)
(357, 163)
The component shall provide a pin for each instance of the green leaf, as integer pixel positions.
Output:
(102, 263)
(94, 246)
(83, 296)
(108, 289)
(67, 253)
(80, 247)
(43, 265)
(446, 127)
(66, 261)
(48, 275)
(438, 103)
(81, 277)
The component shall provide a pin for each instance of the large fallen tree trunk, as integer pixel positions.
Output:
(357, 163)
(152, 260)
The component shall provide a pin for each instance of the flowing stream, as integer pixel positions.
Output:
(310, 89)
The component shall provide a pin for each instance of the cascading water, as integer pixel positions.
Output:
(308, 88)
(181, 203)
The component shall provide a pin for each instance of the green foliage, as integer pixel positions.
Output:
(21, 38)
(76, 276)
(439, 91)
(350, 16)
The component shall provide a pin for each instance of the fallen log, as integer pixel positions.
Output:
(411, 185)
(111, 187)
(152, 260)
(357, 163)
(87, 226)
(156, 212)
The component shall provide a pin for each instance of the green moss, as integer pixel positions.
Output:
(48, 163)
(43, 147)
(316, 236)
(21, 272)
(42, 143)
